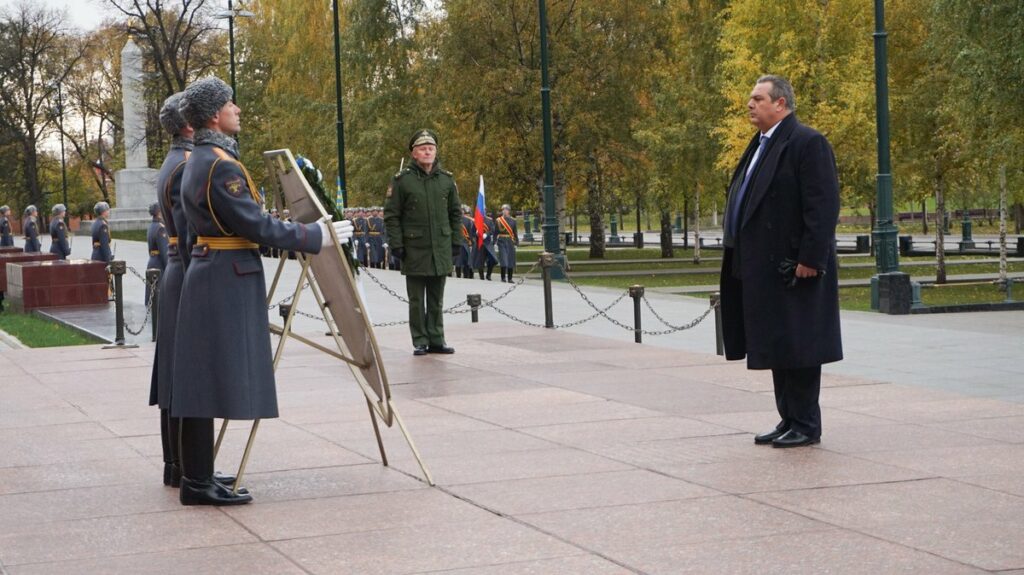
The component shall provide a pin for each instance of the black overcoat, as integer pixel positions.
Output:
(223, 365)
(791, 211)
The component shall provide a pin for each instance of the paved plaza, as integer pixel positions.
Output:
(554, 451)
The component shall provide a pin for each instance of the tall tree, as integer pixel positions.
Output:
(36, 53)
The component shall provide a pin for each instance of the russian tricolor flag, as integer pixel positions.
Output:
(478, 214)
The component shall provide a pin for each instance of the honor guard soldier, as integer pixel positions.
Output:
(464, 260)
(6, 237)
(483, 253)
(31, 230)
(223, 365)
(178, 245)
(156, 239)
(101, 234)
(362, 229)
(59, 233)
(507, 240)
(375, 239)
(422, 215)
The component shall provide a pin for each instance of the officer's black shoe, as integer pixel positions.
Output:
(209, 492)
(766, 438)
(420, 350)
(794, 438)
(441, 349)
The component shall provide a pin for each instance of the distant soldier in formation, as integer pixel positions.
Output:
(156, 238)
(464, 260)
(101, 234)
(6, 237)
(375, 239)
(484, 258)
(31, 230)
(223, 365)
(507, 240)
(59, 234)
(361, 236)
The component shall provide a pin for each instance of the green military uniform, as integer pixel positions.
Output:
(423, 215)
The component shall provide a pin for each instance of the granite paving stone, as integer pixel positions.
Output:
(250, 558)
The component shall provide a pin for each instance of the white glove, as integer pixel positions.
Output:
(342, 230)
(485, 236)
(385, 246)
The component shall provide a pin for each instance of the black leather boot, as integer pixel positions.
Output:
(502, 275)
(209, 492)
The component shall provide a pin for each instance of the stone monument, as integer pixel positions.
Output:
(136, 184)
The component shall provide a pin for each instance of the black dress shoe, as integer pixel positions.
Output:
(766, 438)
(441, 349)
(420, 350)
(794, 438)
(209, 492)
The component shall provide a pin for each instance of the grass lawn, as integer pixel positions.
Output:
(859, 298)
(134, 235)
(36, 332)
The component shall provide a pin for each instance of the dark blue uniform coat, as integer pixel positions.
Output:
(791, 211)
(31, 235)
(156, 239)
(59, 239)
(468, 230)
(375, 239)
(6, 238)
(484, 254)
(169, 196)
(222, 355)
(101, 241)
(506, 241)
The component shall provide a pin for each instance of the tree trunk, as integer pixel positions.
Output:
(594, 209)
(1018, 218)
(30, 164)
(696, 223)
(940, 232)
(686, 223)
(924, 217)
(666, 234)
(871, 214)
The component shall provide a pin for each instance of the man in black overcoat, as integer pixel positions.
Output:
(780, 303)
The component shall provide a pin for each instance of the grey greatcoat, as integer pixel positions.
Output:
(790, 211)
(31, 235)
(507, 238)
(101, 241)
(6, 238)
(169, 196)
(222, 355)
(59, 239)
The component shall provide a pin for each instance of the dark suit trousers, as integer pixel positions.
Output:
(197, 448)
(796, 397)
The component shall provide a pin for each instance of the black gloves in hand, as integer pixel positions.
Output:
(399, 253)
(456, 250)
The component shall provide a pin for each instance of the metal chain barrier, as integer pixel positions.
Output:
(596, 314)
(149, 305)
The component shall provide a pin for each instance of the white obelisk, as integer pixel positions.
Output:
(136, 183)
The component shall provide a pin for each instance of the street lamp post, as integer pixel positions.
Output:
(342, 193)
(888, 279)
(63, 164)
(550, 227)
(230, 14)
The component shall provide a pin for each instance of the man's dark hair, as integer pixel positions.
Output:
(781, 88)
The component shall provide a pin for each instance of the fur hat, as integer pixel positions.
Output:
(31, 209)
(170, 115)
(58, 208)
(4, 209)
(101, 208)
(202, 99)
(154, 209)
(422, 137)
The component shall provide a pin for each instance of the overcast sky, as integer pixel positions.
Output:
(81, 14)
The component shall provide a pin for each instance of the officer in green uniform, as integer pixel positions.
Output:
(422, 216)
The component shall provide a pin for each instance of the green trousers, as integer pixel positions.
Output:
(426, 301)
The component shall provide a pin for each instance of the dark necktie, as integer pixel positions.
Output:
(737, 205)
